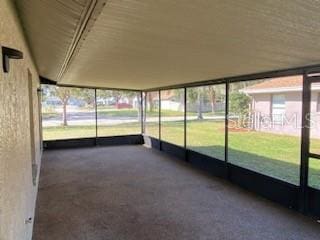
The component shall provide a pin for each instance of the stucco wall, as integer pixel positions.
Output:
(293, 107)
(17, 192)
(261, 104)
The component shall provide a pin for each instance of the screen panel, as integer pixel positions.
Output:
(265, 126)
(118, 112)
(315, 119)
(172, 116)
(206, 120)
(314, 173)
(67, 112)
(152, 114)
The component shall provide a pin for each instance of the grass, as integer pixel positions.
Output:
(112, 112)
(51, 133)
(270, 154)
(132, 113)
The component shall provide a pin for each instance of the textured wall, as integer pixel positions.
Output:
(293, 107)
(17, 192)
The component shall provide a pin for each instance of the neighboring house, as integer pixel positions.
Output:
(276, 106)
(171, 105)
(105, 101)
(123, 102)
(169, 101)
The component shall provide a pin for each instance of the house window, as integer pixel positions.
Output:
(278, 107)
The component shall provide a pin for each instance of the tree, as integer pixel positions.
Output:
(151, 97)
(63, 93)
(196, 96)
(85, 94)
(131, 95)
(239, 105)
(46, 91)
(215, 93)
(139, 108)
(200, 102)
(112, 94)
(117, 95)
(212, 97)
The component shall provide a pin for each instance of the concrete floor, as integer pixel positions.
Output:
(131, 192)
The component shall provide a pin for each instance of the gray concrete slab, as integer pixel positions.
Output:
(131, 192)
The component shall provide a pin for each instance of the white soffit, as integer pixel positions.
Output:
(52, 27)
(142, 44)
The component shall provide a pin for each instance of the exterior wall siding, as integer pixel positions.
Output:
(17, 189)
(261, 106)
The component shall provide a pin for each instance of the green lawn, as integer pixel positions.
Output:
(152, 129)
(51, 133)
(271, 154)
(112, 112)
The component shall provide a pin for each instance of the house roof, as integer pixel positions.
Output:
(278, 85)
(281, 84)
(291, 81)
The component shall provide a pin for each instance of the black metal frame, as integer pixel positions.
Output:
(305, 135)
(96, 111)
(145, 113)
(50, 82)
(185, 119)
(247, 77)
(159, 135)
(142, 111)
(302, 197)
(273, 189)
(94, 141)
(309, 197)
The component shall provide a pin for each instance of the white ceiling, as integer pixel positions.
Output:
(140, 44)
